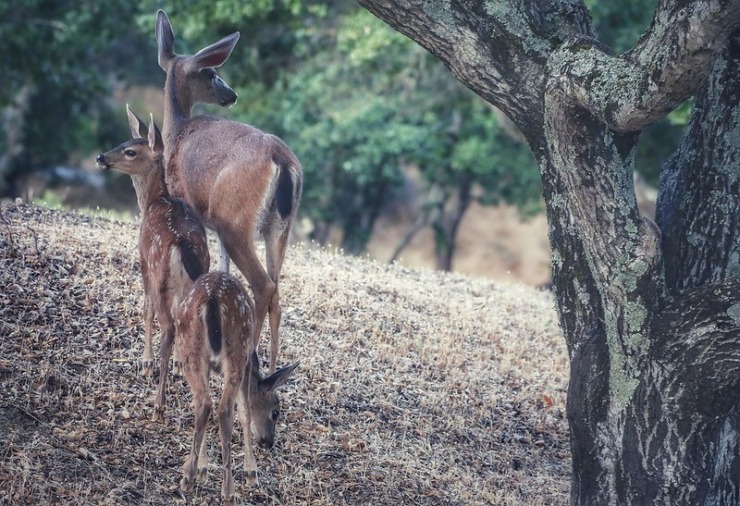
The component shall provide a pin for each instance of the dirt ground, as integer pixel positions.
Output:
(414, 386)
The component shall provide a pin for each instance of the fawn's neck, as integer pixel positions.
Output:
(150, 186)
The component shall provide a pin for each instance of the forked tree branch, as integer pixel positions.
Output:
(671, 60)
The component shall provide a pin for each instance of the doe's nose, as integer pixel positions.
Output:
(100, 160)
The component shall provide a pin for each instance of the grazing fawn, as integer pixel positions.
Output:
(244, 182)
(172, 240)
(214, 330)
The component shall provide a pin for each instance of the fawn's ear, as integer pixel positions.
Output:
(138, 128)
(165, 40)
(277, 378)
(217, 53)
(155, 136)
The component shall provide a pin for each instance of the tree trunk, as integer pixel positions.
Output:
(651, 314)
(447, 222)
(12, 118)
(428, 213)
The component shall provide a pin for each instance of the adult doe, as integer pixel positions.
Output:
(214, 330)
(244, 182)
(172, 240)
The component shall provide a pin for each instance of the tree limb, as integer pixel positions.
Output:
(498, 48)
(701, 242)
(633, 90)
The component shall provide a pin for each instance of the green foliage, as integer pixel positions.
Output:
(357, 101)
(362, 102)
(57, 59)
(620, 24)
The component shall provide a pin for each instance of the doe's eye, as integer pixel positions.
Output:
(130, 153)
(275, 415)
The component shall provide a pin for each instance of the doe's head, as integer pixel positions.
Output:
(194, 77)
(264, 400)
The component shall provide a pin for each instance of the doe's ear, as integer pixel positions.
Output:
(165, 40)
(217, 53)
(138, 128)
(155, 136)
(277, 378)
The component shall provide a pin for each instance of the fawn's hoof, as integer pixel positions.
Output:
(202, 474)
(147, 368)
(158, 415)
(252, 478)
(186, 484)
(177, 369)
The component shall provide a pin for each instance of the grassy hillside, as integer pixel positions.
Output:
(414, 387)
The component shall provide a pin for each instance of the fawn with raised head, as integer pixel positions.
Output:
(244, 182)
(172, 240)
(214, 331)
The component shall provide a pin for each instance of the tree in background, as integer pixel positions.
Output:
(369, 102)
(57, 60)
(357, 101)
(650, 313)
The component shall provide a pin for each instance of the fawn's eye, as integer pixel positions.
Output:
(130, 153)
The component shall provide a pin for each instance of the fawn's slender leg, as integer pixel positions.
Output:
(203, 406)
(250, 463)
(232, 381)
(203, 461)
(168, 338)
(147, 360)
(176, 360)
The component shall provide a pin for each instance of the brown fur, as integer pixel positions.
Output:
(219, 300)
(172, 241)
(233, 174)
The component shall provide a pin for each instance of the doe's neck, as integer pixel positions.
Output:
(177, 107)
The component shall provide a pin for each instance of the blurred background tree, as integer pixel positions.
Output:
(58, 61)
(360, 104)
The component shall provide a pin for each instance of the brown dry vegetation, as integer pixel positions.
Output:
(414, 387)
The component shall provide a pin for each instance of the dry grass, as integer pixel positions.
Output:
(415, 387)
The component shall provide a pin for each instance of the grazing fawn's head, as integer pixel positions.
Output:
(194, 77)
(138, 156)
(264, 401)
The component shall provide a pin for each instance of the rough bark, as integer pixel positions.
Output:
(651, 314)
